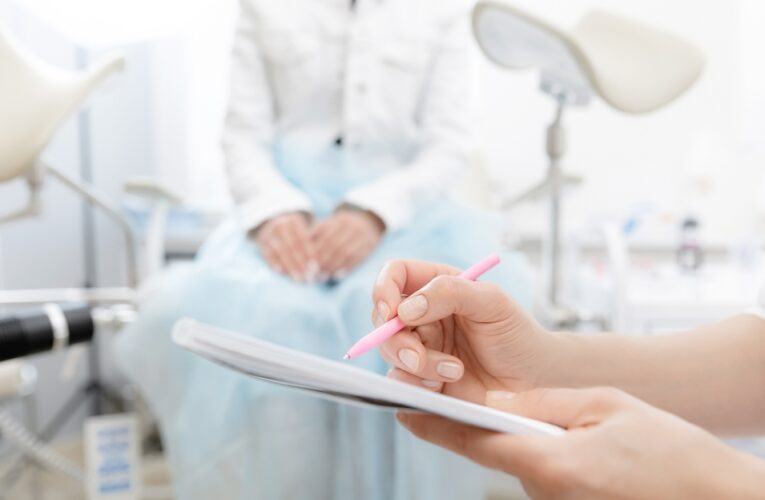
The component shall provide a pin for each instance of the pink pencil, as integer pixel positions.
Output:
(395, 325)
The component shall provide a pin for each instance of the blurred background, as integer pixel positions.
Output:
(700, 159)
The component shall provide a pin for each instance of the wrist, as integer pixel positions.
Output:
(562, 356)
(375, 219)
(549, 349)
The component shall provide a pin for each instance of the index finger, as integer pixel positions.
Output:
(404, 277)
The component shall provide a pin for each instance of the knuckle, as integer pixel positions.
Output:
(494, 290)
(392, 268)
(445, 286)
(537, 397)
(343, 254)
(385, 272)
(389, 264)
(606, 397)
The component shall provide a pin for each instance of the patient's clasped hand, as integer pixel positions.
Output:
(471, 341)
(308, 250)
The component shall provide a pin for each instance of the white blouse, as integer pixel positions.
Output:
(388, 76)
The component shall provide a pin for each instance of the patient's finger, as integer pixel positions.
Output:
(272, 257)
(284, 264)
(316, 230)
(353, 255)
(283, 247)
(295, 251)
(408, 378)
(335, 254)
(325, 234)
(301, 243)
(404, 277)
(333, 237)
(279, 247)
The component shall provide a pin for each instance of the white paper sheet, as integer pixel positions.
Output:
(339, 381)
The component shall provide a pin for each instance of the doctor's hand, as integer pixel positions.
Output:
(286, 245)
(465, 337)
(616, 447)
(345, 239)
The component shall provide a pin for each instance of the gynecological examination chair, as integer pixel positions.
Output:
(631, 66)
(36, 98)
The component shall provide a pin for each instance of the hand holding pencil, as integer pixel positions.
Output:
(395, 325)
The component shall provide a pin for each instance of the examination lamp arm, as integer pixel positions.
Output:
(100, 201)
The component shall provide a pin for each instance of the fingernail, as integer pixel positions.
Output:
(410, 359)
(402, 417)
(449, 369)
(431, 384)
(413, 307)
(383, 311)
(499, 396)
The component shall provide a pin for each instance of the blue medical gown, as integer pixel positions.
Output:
(231, 437)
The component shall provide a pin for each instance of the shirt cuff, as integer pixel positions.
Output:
(394, 213)
(258, 210)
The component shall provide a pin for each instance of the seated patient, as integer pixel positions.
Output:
(347, 128)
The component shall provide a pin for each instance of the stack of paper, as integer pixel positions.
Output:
(339, 381)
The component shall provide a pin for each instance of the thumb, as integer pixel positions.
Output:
(567, 408)
(448, 295)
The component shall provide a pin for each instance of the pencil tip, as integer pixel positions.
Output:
(347, 356)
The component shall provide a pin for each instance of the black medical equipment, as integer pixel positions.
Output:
(51, 329)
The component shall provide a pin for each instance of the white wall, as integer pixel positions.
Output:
(699, 140)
